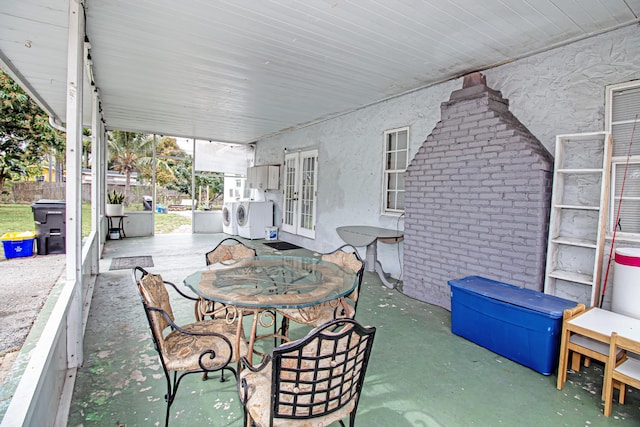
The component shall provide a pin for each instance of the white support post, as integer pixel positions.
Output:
(153, 185)
(75, 68)
(96, 178)
(102, 199)
(193, 188)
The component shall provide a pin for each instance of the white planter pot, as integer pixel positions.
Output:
(114, 210)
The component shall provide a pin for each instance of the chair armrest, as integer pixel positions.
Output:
(176, 327)
(244, 363)
(243, 387)
(182, 293)
(205, 351)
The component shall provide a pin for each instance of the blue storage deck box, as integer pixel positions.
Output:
(520, 324)
(18, 244)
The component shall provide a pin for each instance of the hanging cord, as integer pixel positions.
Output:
(617, 223)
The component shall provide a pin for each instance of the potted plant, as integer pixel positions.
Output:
(114, 204)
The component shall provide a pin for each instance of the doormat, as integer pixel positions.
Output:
(282, 246)
(127, 262)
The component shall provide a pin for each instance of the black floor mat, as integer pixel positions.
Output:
(127, 262)
(282, 246)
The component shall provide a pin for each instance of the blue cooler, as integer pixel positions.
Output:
(520, 324)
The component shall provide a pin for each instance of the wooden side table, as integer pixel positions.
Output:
(119, 220)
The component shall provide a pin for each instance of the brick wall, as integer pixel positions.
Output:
(477, 198)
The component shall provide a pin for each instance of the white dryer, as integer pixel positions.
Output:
(253, 218)
(229, 218)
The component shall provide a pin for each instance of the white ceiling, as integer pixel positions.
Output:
(240, 70)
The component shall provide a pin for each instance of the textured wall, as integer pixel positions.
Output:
(478, 195)
(555, 92)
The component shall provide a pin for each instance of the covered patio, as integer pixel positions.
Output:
(324, 83)
(420, 374)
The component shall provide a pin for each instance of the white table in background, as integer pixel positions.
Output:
(364, 235)
(597, 324)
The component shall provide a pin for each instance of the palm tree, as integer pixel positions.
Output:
(126, 151)
(167, 154)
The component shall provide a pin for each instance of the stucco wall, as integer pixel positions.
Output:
(555, 92)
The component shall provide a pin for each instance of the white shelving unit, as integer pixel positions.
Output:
(579, 205)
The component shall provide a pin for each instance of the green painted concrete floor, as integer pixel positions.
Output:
(420, 374)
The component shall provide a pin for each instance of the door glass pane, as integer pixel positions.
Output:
(308, 193)
(288, 216)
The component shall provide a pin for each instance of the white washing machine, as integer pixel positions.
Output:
(252, 218)
(229, 218)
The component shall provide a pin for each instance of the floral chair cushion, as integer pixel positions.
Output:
(225, 253)
(347, 260)
(154, 293)
(183, 352)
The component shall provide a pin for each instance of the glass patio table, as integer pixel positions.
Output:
(263, 285)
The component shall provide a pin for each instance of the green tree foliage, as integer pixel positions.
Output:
(182, 182)
(167, 152)
(126, 151)
(214, 182)
(26, 137)
(168, 147)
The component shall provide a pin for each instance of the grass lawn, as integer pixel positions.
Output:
(18, 217)
(166, 223)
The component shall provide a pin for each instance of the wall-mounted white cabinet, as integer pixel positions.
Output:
(264, 177)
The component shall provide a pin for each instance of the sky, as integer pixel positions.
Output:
(186, 144)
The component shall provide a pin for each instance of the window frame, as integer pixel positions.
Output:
(618, 163)
(388, 172)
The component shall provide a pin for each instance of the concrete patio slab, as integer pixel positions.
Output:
(420, 374)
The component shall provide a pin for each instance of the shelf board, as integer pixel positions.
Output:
(572, 276)
(599, 171)
(572, 241)
(577, 207)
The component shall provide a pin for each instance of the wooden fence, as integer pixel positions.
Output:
(29, 192)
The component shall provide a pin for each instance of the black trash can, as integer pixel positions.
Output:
(147, 203)
(50, 217)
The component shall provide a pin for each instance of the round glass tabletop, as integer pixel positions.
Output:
(270, 281)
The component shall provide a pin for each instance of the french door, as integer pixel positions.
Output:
(300, 193)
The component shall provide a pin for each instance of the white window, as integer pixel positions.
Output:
(622, 115)
(300, 193)
(396, 159)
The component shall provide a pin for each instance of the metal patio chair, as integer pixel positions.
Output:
(199, 347)
(345, 256)
(228, 251)
(316, 380)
